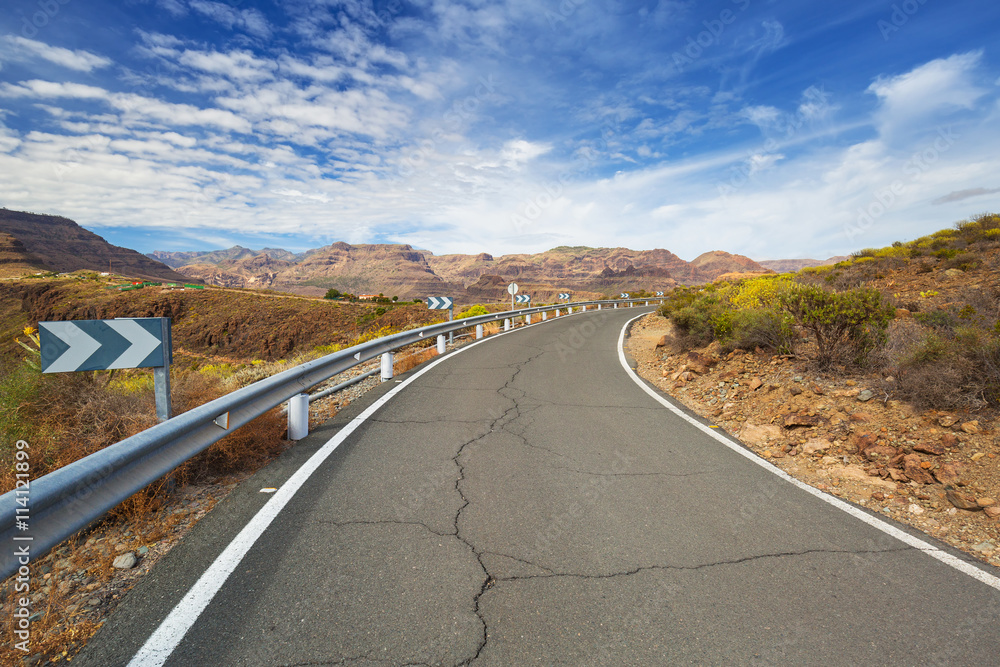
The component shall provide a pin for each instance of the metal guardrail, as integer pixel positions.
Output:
(36, 518)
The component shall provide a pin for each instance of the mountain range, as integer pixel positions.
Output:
(30, 242)
(402, 270)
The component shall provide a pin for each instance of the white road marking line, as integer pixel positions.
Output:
(872, 521)
(175, 626)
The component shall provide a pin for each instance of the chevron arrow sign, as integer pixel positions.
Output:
(523, 298)
(440, 302)
(564, 295)
(623, 295)
(97, 345)
(659, 294)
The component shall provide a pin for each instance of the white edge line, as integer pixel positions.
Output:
(872, 521)
(175, 626)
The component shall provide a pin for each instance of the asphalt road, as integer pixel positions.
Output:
(526, 502)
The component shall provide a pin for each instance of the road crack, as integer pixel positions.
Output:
(702, 566)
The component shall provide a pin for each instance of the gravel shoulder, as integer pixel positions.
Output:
(936, 471)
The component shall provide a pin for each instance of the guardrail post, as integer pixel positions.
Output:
(647, 303)
(441, 347)
(616, 304)
(545, 316)
(479, 331)
(386, 366)
(298, 417)
(527, 318)
(506, 324)
(598, 306)
(557, 312)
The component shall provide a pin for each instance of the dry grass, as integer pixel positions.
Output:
(411, 361)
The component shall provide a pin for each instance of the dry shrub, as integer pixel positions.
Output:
(411, 361)
(246, 449)
(936, 368)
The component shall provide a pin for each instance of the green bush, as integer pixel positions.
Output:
(19, 384)
(696, 313)
(854, 320)
(472, 311)
(750, 329)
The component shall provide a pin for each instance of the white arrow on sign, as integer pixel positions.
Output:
(439, 302)
(142, 343)
(81, 346)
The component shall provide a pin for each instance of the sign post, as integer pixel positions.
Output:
(443, 303)
(98, 345)
(512, 290)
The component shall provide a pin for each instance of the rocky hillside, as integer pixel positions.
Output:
(717, 263)
(176, 260)
(61, 245)
(394, 270)
(577, 265)
(793, 265)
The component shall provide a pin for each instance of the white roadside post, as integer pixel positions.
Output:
(545, 316)
(386, 366)
(441, 344)
(479, 331)
(298, 416)
(506, 324)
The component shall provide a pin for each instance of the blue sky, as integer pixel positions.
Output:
(771, 129)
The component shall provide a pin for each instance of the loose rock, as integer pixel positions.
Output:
(755, 434)
(947, 475)
(929, 448)
(961, 501)
(816, 445)
(972, 428)
(125, 562)
(913, 470)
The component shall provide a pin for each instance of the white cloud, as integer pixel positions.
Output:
(248, 20)
(46, 89)
(519, 151)
(762, 116)
(916, 97)
(134, 108)
(240, 65)
(16, 47)
(175, 7)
